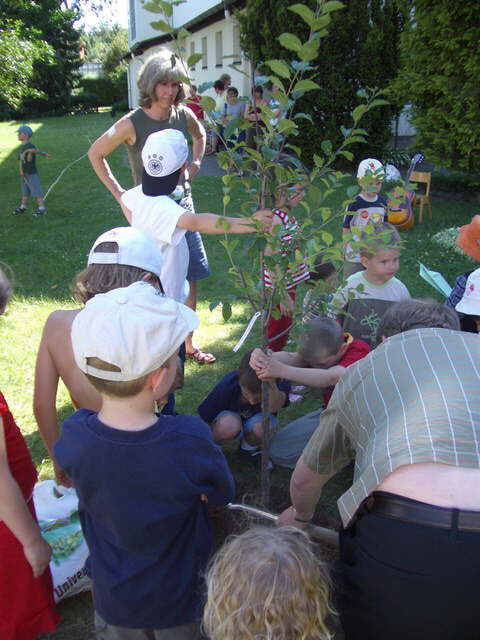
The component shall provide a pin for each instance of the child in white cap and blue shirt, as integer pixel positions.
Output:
(142, 480)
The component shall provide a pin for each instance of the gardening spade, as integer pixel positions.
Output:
(320, 534)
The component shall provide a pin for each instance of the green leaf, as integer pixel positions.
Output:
(318, 160)
(333, 5)
(226, 200)
(346, 154)
(378, 103)
(207, 103)
(326, 147)
(213, 305)
(182, 33)
(279, 67)
(193, 59)
(290, 41)
(304, 12)
(306, 116)
(161, 25)
(327, 237)
(358, 112)
(153, 7)
(321, 22)
(309, 50)
(352, 191)
(305, 85)
(286, 126)
(226, 310)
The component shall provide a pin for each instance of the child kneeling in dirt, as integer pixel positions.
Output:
(233, 407)
(142, 480)
(323, 354)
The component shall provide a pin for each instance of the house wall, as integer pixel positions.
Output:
(221, 37)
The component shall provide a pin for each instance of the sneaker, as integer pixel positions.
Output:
(18, 210)
(38, 212)
(298, 388)
(295, 397)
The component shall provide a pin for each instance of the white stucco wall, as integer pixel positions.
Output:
(203, 72)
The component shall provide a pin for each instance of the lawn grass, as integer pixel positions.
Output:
(45, 253)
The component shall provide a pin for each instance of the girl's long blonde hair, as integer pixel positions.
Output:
(267, 584)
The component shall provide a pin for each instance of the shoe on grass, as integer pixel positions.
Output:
(18, 210)
(38, 212)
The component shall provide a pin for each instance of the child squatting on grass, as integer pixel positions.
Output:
(267, 584)
(26, 591)
(29, 178)
(118, 258)
(233, 407)
(142, 480)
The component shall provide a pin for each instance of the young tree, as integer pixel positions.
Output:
(440, 77)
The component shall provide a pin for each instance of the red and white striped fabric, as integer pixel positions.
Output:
(300, 272)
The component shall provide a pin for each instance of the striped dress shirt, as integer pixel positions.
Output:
(415, 398)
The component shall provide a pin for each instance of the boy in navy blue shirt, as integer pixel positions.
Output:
(142, 481)
(233, 407)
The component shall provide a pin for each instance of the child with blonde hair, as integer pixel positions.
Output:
(267, 584)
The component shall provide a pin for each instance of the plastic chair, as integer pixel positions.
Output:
(421, 199)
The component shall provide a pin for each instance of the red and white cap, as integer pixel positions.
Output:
(371, 167)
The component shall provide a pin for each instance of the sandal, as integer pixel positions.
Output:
(202, 357)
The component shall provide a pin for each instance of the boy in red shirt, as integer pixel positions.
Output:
(322, 356)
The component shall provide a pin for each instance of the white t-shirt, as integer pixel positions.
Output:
(157, 216)
(393, 290)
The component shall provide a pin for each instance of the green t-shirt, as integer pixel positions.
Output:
(27, 160)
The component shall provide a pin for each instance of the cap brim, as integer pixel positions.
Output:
(160, 186)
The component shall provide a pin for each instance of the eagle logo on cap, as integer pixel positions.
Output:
(154, 165)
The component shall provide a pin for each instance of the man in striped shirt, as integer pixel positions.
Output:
(410, 414)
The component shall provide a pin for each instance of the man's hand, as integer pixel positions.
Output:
(38, 555)
(287, 518)
(265, 216)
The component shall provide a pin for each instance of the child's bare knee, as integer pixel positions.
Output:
(226, 428)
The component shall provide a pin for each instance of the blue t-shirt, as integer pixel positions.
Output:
(227, 396)
(139, 502)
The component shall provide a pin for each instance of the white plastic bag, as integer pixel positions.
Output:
(57, 513)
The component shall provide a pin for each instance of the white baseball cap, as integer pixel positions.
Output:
(163, 156)
(371, 167)
(470, 302)
(135, 328)
(135, 249)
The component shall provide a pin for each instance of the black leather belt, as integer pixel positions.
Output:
(407, 510)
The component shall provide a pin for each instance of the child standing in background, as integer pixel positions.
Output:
(29, 178)
(287, 197)
(26, 592)
(368, 206)
(366, 296)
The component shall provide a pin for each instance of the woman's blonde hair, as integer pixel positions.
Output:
(267, 584)
(159, 67)
(101, 278)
